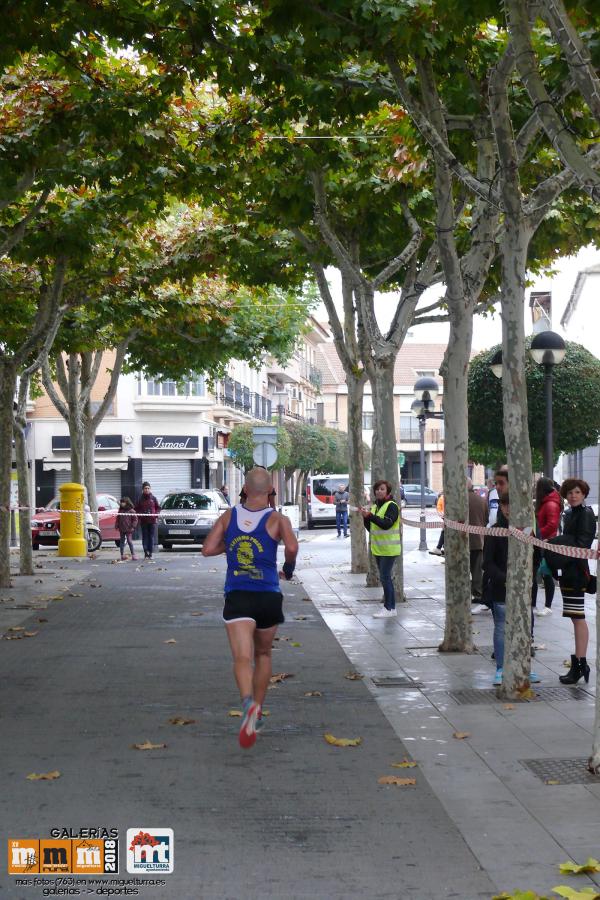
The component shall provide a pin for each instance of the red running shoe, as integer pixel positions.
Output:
(247, 736)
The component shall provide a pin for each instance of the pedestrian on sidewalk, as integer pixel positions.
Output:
(579, 530)
(440, 506)
(341, 498)
(548, 510)
(147, 507)
(225, 492)
(478, 515)
(127, 521)
(495, 565)
(382, 522)
(249, 535)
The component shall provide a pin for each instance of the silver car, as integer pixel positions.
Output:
(186, 517)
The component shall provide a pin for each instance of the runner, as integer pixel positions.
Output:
(249, 534)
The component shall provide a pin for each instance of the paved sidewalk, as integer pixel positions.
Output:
(137, 644)
(519, 826)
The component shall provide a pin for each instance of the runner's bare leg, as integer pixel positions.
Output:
(263, 669)
(241, 641)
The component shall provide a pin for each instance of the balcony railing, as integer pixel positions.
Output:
(410, 434)
(235, 395)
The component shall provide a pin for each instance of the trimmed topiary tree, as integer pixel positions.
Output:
(575, 412)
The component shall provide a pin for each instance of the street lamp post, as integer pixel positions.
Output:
(426, 391)
(548, 349)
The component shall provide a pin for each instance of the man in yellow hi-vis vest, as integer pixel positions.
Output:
(382, 522)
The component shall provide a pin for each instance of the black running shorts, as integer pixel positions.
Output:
(262, 607)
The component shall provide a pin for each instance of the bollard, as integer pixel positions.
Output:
(72, 541)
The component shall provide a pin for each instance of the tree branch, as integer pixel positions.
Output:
(407, 254)
(576, 53)
(433, 137)
(60, 406)
(22, 185)
(554, 126)
(114, 379)
(331, 239)
(17, 232)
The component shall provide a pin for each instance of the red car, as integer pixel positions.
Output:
(45, 522)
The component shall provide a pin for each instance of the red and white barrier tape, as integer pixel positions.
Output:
(41, 512)
(561, 549)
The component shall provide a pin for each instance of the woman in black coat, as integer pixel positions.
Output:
(579, 530)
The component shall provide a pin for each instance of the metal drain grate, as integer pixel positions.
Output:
(472, 696)
(561, 771)
(395, 681)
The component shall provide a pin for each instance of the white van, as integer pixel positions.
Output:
(320, 505)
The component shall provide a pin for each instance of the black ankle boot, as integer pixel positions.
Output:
(584, 669)
(579, 669)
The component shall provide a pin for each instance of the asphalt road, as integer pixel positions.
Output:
(292, 818)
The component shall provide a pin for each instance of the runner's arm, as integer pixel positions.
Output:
(214, 542)
(290, 543)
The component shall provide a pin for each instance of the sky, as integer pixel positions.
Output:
(487, 331)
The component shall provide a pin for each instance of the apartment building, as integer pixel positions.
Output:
(175, 434)
(413, 361)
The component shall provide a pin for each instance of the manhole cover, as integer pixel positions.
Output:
(561, 771)
(472, 696)
(394, 681)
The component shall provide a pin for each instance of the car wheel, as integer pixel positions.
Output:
(167, 545)
(94, 541)
(310, 524)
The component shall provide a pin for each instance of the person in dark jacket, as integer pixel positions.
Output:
(382, 522)
(579, 530)
(148, 508)
(341, 498)
(126, 524)
(548, 510)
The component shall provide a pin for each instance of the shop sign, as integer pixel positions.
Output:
(103, 442)
(167, 442)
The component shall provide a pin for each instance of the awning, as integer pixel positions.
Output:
(64, 465)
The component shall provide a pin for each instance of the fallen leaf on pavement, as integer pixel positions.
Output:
(29, 633)
(394, 779)
(235, 713)
(71, 594)
(552, 781)
(313, 694)
(295, 644)
(461, 735)
(44, 776)
(509, 706)
(567, 663)
(405, 764)
(572, 868)
(42, 620)
(147, 745)
(280, 676)
(57, 597)
(342, 742)
(527, 694)
(306, 599)
(177, 720)
(353, 676)
(586, 894)
(170, 641)
(197, 614)
(16, 628)
(300, 618)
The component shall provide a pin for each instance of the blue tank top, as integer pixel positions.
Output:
(251, 555)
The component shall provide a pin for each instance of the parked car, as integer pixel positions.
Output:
(186, 517)
(45, 523)
(412, 495)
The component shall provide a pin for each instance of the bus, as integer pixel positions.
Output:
(320, 505)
